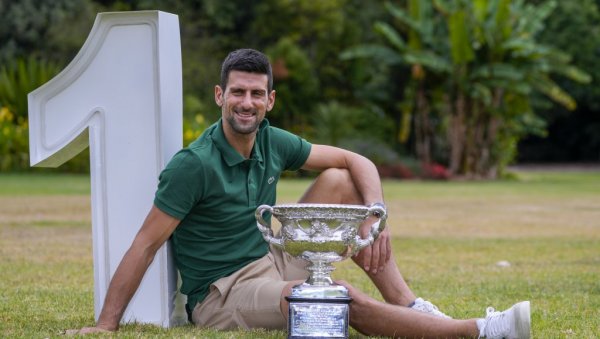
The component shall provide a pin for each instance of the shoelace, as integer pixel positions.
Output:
(493, 328)
(427, 306)
(421, 305)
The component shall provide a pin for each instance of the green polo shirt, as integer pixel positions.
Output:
(215, 191)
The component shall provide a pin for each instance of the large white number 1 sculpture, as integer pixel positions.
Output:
(122, 95)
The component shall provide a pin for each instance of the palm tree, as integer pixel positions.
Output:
(475, 65)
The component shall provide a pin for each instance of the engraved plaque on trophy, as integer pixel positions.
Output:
(321, 234)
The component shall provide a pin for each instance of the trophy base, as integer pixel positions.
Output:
(318, 312)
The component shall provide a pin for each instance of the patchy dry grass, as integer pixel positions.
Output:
(448, 237)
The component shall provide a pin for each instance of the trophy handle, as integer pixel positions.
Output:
(379, 212)
(265, 228)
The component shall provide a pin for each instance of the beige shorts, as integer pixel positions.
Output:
(250, 297)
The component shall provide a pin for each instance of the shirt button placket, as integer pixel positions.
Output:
(251, 185)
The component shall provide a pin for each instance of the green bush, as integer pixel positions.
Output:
(14, 141)
(17, 79)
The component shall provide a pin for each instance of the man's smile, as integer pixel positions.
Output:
(245, 115)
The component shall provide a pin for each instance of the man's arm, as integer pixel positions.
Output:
(366, 180)
(156, 229)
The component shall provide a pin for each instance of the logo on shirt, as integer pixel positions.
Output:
(271, 180)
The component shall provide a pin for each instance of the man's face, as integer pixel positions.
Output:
(245, 101)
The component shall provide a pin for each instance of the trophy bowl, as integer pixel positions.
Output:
(321, 233)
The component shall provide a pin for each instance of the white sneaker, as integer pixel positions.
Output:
(514, 323)
(427, 307)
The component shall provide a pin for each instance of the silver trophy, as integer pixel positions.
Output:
(321, 234)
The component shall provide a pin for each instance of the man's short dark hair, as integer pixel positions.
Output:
(246, 60)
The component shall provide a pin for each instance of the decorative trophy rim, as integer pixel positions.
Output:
(319, 205)
(320, 211)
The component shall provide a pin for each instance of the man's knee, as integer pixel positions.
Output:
(339, 177)
(334, 185)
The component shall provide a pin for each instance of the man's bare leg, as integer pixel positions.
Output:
(372, 317)
(391, 285)
(335, 186)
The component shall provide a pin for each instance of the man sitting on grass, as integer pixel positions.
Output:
(205, 204)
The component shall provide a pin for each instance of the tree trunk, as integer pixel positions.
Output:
(456, 134)
(470, 153)
(490, 159)
(422, 128)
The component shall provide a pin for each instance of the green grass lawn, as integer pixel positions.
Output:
(448, 238)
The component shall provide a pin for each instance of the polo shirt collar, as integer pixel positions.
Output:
(230, 155)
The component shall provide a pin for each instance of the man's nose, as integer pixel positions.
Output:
(247, 101)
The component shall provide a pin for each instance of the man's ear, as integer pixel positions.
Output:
(219, 95)
(271, 101)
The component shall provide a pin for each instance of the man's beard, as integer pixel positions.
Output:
(243, 129)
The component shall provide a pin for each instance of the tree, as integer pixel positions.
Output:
(296, 81)
(475, 66)
(46, 29)
(573, 136)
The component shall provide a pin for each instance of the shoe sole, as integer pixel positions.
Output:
(522, 320)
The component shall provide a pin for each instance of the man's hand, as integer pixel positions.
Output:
(373, 258)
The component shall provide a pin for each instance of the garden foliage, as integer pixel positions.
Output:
(451, 82)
